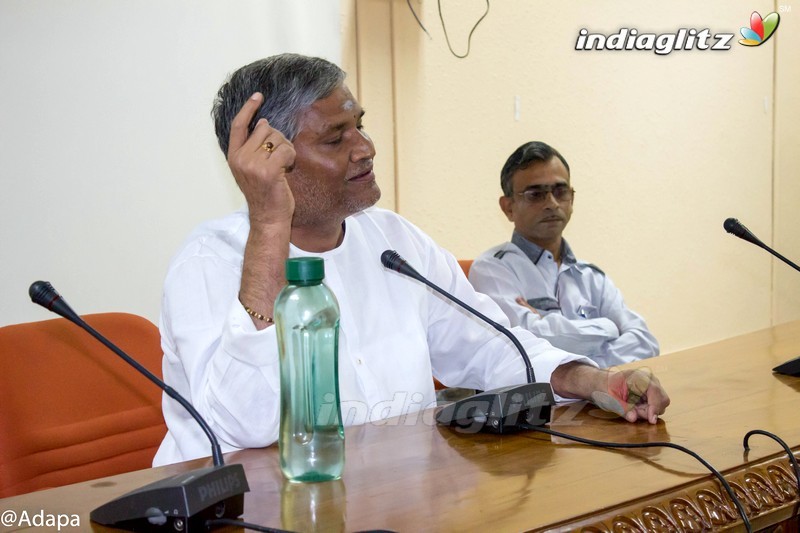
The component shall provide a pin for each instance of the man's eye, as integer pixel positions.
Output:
(335, 141)
(533, 195)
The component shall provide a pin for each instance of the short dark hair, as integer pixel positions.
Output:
(523, 157)
(290, 83)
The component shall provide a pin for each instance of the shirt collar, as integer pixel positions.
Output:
(534, 251)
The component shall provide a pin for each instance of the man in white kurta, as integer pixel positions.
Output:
(295, 144)
(394, 334)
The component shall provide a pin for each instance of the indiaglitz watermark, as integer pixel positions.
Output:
(661, 44)
(758, 32)
(625, 391)
(40, 518)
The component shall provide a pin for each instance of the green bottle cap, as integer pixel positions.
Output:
(305, 270)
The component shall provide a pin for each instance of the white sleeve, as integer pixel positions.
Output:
(214, 355)
(635, 340)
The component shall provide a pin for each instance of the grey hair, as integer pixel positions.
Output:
(290, 83)
(523, 157)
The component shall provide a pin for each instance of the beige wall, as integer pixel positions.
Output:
(662, 148)
(108, 157)
(786, 214)
(368, 59)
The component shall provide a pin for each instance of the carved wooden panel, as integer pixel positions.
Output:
(768, 489)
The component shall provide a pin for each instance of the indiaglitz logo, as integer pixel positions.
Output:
(661, 44)
(760, 30)
(682, 39)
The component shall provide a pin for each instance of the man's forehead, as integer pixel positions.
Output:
(340, 100)
(547, 171)
(332, 112)
(547, 186)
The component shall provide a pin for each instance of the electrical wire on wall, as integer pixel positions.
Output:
(444, 27)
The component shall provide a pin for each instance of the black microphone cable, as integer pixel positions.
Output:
(255, 527)
(211, 524)
(602, 444)
(792, 459)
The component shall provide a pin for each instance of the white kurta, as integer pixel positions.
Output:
(394, 334)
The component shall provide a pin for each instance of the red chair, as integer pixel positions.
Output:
(70, 409)
(465, 265)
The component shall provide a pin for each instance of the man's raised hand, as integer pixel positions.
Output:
(260, 162)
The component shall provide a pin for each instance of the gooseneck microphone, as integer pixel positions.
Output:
(393, 261)
(496, 411)
(734, 227)
(43, 293)
(183, 502)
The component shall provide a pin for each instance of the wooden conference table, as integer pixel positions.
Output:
(410, 475)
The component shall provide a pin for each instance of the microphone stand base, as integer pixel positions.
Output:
(503, 410)
(179, 503)
(790, 367)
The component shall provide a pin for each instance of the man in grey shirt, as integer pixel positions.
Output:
(536, 278)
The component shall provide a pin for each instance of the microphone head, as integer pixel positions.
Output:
(734, 227)
(394, 261)
(391, 260)
(42, 293)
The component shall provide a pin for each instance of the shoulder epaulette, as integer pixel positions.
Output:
(595, 268)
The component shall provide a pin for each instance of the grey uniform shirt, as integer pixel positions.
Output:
(580, 308)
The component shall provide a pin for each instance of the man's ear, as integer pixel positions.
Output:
(507, 205)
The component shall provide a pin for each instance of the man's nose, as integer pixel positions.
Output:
(364, 148)
(550, 200)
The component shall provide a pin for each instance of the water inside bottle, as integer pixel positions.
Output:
(312, 439)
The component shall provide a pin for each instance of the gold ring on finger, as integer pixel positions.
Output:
(268, 146)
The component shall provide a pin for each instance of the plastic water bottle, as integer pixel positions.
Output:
(311, 440)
